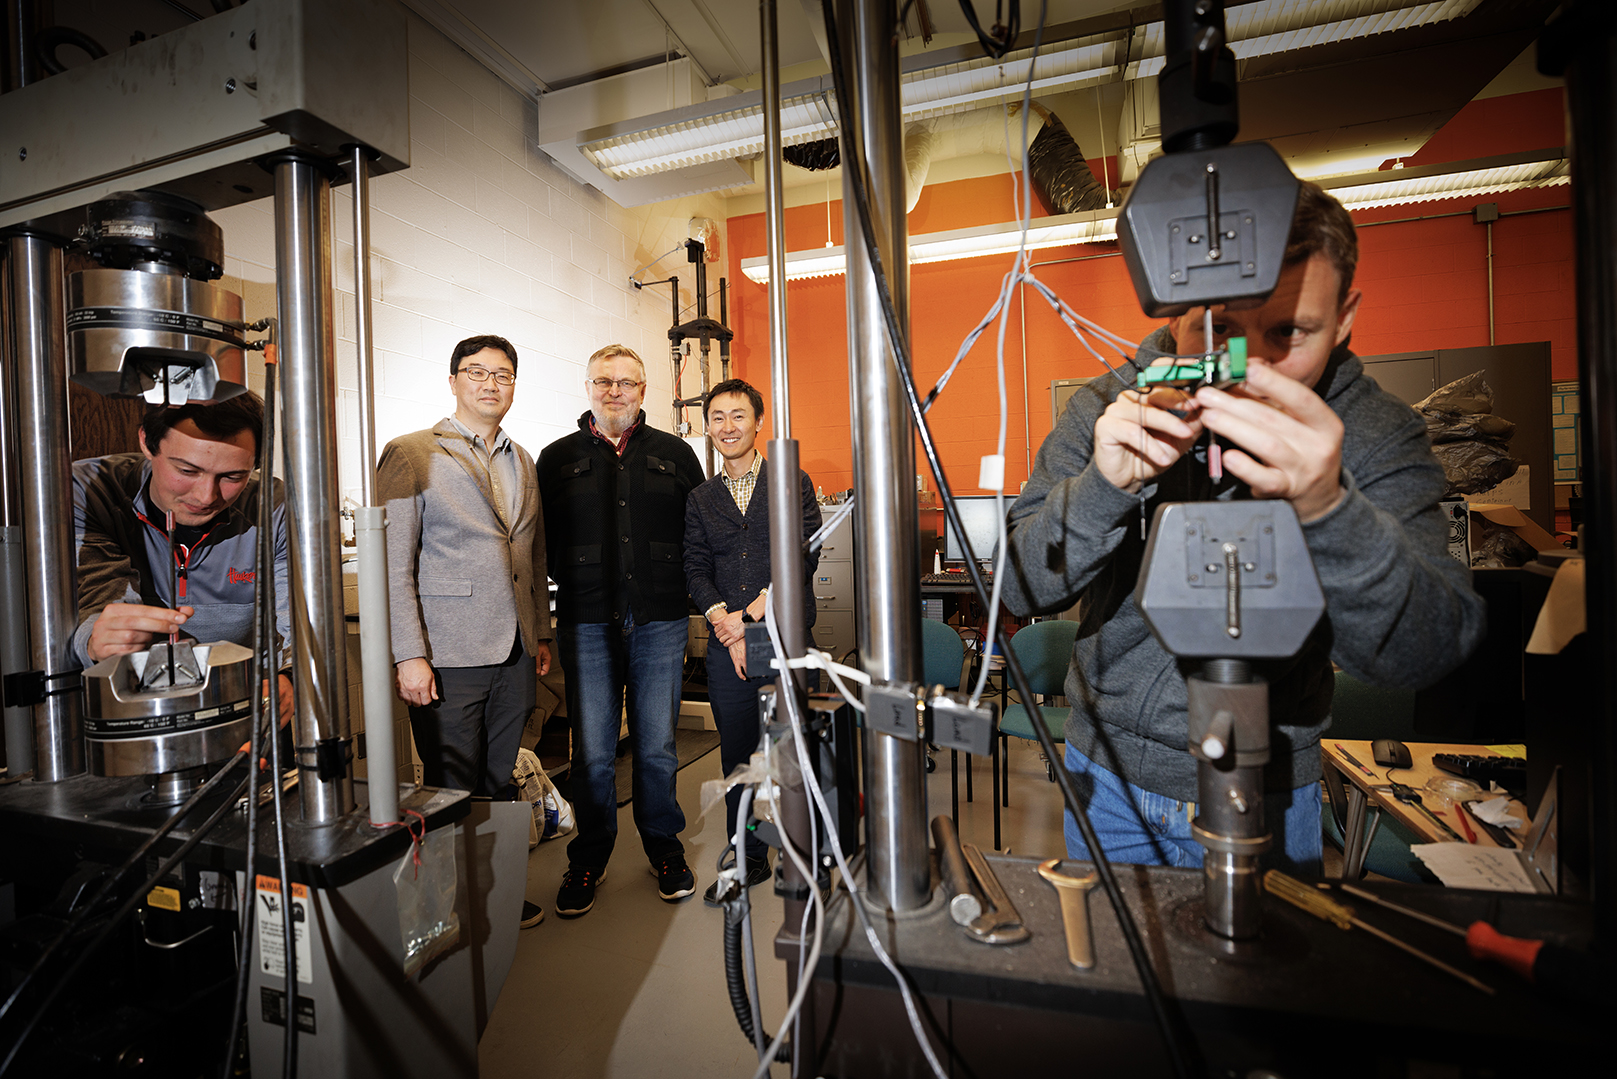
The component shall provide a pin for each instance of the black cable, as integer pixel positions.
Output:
(88, 908)
(735, 981)
(1181, 1055)
(267, 676)
(183, 10)
(289, 1066)
(991, 45)
(135, 899)
(48, 40)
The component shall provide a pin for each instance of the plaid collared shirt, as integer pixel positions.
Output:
(742, 486)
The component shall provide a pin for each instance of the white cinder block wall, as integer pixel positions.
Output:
(482, 234)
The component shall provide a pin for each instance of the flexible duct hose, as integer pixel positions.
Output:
(1061, 177)
(736, 982)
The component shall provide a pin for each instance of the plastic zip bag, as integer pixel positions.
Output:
(425, 880)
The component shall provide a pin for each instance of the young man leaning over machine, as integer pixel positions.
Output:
(1308, 426)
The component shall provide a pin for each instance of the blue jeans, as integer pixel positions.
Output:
(602, 660)
(1138, 827)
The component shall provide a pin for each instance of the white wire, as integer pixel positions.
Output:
(848, 882)
(749, 954)
(813, 958)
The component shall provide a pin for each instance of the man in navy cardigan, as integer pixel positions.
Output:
(727, 571)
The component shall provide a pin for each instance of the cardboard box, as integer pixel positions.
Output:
(1518, 522)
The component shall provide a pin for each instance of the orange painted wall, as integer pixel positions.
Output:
(1425, 285)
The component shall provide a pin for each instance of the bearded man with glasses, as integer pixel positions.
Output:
(614, 495)
(466, 579)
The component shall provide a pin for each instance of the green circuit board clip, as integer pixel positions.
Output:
(1223, 368)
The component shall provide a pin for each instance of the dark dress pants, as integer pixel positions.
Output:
(468, 738)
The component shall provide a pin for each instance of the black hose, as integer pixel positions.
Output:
(266, 676)
(48, 40)
(1181, 1051)
(289, 1066)
(735, 979)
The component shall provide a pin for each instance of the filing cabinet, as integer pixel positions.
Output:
(834, 628)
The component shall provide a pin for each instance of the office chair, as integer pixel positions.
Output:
(1044, 649)
(943, 660)
(1361, 711)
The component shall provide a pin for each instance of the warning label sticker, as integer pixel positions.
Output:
(271, 930)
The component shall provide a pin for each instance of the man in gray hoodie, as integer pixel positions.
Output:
(1308, 426)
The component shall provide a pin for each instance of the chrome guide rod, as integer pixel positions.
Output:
(309, 412)
(888, 581)
(370, 531)
(39, 373)
(19, 721)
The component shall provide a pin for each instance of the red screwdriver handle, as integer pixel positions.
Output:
(1486, 942)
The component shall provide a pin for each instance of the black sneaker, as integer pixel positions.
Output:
(674, 878)
(532, 914)
(758, 871)
(577, 893)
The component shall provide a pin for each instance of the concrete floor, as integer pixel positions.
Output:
(635, 988)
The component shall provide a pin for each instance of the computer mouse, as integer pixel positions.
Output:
(1390, 753)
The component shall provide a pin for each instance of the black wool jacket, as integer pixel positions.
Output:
(615, 526)
(727, 552)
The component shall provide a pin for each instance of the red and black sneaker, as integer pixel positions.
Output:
(577, 893)
(674, 878)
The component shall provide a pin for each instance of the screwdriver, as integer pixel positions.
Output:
(1341, 915)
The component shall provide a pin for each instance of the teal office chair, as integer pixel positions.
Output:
(1361, 711)
(1044, 649)
(943, 659)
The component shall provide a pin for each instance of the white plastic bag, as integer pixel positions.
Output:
(552, 814)
(425, 880)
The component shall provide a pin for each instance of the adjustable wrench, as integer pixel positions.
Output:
(1074, 893)
(1000, 923)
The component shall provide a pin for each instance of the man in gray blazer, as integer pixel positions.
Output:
(466, 577)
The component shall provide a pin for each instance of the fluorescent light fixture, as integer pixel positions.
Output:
(1456, 180)
(1364, 191)
(1094, 226)
(734, 127)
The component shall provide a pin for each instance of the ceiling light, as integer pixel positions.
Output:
(1364, 191)
(734, 127)
(1095, 226)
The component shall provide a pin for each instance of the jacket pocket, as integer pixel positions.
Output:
(580, 467)
(587, 555)
(665, 553)
(444, 586)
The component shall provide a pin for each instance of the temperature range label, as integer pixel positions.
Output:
(271, 930)
(137, 726)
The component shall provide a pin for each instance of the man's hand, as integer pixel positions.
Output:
(132, 627)
(728, 630)
(1291, 441)
(416, 683)
(756, 607)
(287, 703)
(1137, 438)
(738, 657)
(541, 659)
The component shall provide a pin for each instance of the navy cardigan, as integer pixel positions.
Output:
(727, 553)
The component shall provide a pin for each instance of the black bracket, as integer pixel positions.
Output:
(24, 689)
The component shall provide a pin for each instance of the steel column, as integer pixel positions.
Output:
(19, 721)
(888, 582)
(309, 409)
(38, 370)
(1582, 43)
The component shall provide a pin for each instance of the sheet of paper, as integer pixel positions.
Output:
(1462, 865)
(1517, 750)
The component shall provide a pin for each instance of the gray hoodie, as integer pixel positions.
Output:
(1399, 610)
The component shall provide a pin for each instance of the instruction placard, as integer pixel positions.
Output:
(271, 930)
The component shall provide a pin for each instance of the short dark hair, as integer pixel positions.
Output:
(736, 385)
(243, 412)
(1321, 226)
(473, 345)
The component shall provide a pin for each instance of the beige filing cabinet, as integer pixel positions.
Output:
(833, 591)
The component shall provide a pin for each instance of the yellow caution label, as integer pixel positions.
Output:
(163, 898)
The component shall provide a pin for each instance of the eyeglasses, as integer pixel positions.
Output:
(480, 374)
(627, 385)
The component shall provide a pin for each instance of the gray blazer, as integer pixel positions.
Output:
(461, 579)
